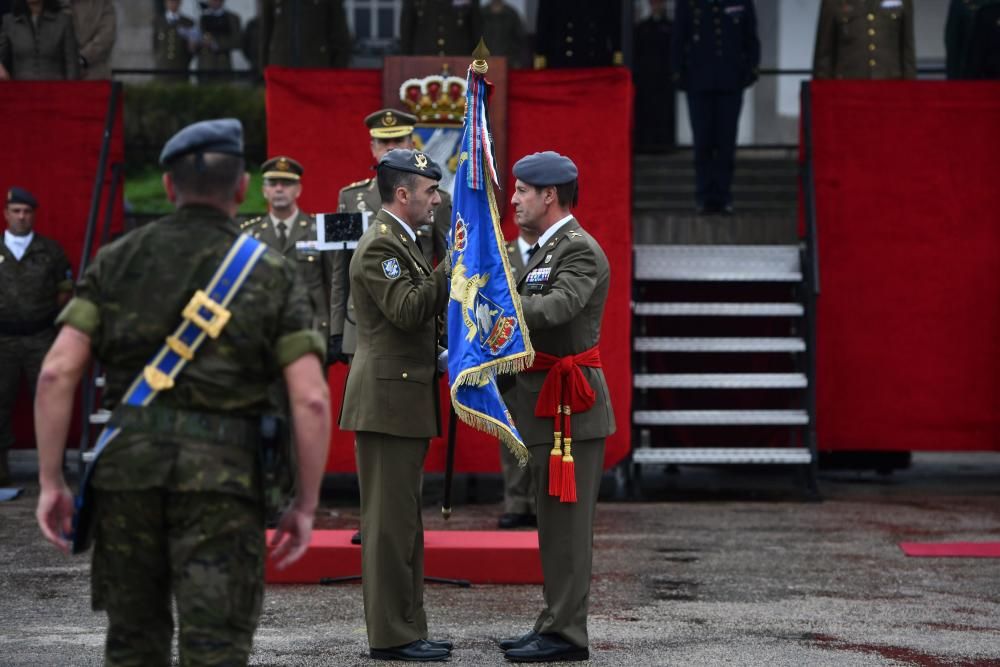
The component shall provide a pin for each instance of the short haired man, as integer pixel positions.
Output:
(387, 129)
(391, 402)
(563, 290)
(35, 282)
(178, 511)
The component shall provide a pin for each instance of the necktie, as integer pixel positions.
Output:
(531, 251)
(282, 234)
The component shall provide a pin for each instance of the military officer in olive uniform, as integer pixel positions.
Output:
(518, 490)
(172, 39)
(391, 402)
(35, 282)
(715, 54)
(439, 27)
(387, 129)
(178, 511)
(563, 290)
(304, 33)
(288, 229)
(570, 33)
(220, 35)
(865, 39)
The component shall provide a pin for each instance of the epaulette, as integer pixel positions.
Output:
(511, 246)
(251, 222)
(358, 184)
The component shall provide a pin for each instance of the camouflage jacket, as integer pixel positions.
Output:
(29, 289)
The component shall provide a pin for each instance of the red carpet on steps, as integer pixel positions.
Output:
(482, 557)
(951, 549)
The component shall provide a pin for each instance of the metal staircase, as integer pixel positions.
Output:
(723, 336)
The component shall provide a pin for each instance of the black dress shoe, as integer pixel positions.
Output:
(440, 643)
(548, 648)
(517, 642)
(511, 520)
(356, 537)
(415, 651)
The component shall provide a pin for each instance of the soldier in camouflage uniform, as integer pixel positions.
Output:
(388, 129)
(178, 506)
(35, 281)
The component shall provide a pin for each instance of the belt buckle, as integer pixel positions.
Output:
(220, 315)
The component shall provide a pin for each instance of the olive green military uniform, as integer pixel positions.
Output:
(439, 27)
(29, 301)
(391, 403)
(563, 303)
(49, 52)
(363, 196)
(178, 498)
(304, 33)
(170, 48)
(225, 30)
(518, 491)
(865, 39)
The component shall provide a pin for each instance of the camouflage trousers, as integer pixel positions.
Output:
(20, 356)
(204, 549)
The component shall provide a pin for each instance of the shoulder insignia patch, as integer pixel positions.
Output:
(383, 228)
(390, 268)
(249, 223)
(573, 234)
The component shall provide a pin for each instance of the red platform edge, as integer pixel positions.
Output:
(482, 557)
(951, 549)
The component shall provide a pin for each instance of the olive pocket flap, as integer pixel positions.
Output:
(396, 368)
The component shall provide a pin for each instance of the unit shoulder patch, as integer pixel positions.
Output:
(390, 268)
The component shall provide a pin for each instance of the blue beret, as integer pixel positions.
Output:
(18, 195)
(545, 168)
(223, 135)
(414, 162)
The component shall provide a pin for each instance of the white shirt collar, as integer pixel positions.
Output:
(288, 221)
(17, 245)
(413, 236)
(551, 231)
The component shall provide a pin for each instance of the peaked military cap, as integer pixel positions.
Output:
(390, 124)
(282, 167)
(222, 135)
(18, 195)
(414, 162)
(545, 168)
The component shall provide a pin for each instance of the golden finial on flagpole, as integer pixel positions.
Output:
(479, 57)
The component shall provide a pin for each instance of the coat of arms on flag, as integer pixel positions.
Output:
(486, 331)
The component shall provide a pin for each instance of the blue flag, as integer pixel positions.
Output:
(486, 333)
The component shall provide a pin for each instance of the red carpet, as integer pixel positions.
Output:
(482, 557)
(951, 549)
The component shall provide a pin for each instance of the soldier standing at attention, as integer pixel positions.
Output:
(35, 282)
(178, 511)
(715, 55)
(304, 33)
(563, 290)
(391, 403)
(503, 32)
(570, 33)
(387, 129)
(220, 34)
(285, 226)
(173, 39)
(865, 39)
(439, 27)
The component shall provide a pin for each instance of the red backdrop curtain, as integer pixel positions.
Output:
(51, 146)
(909, 240)
(316, 116)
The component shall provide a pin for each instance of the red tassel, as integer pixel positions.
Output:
(568, 491)
(555, 465)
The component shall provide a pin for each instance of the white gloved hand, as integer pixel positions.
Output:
(442, 362)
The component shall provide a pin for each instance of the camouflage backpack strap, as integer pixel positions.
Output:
(206, 314)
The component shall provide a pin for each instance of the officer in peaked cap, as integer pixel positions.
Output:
(563, 289)
(35, 281)
(178, 509)
(391, 402)
(387, 129)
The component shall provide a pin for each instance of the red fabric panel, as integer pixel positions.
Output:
(909, 313)
(316, 116)
(51, 148)
(951, 549)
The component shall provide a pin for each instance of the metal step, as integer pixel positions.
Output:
(711, 345)
(100, 417)
(720, 417)
(731, 455)
(715, 263)
(720, 381)
(719, 309)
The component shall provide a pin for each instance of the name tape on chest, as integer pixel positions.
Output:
(540, 275)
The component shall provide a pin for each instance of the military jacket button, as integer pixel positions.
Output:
(405, 375)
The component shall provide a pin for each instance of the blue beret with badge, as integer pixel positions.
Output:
(545, 168)
(222, 135)
(414, 162)
(16, 195)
